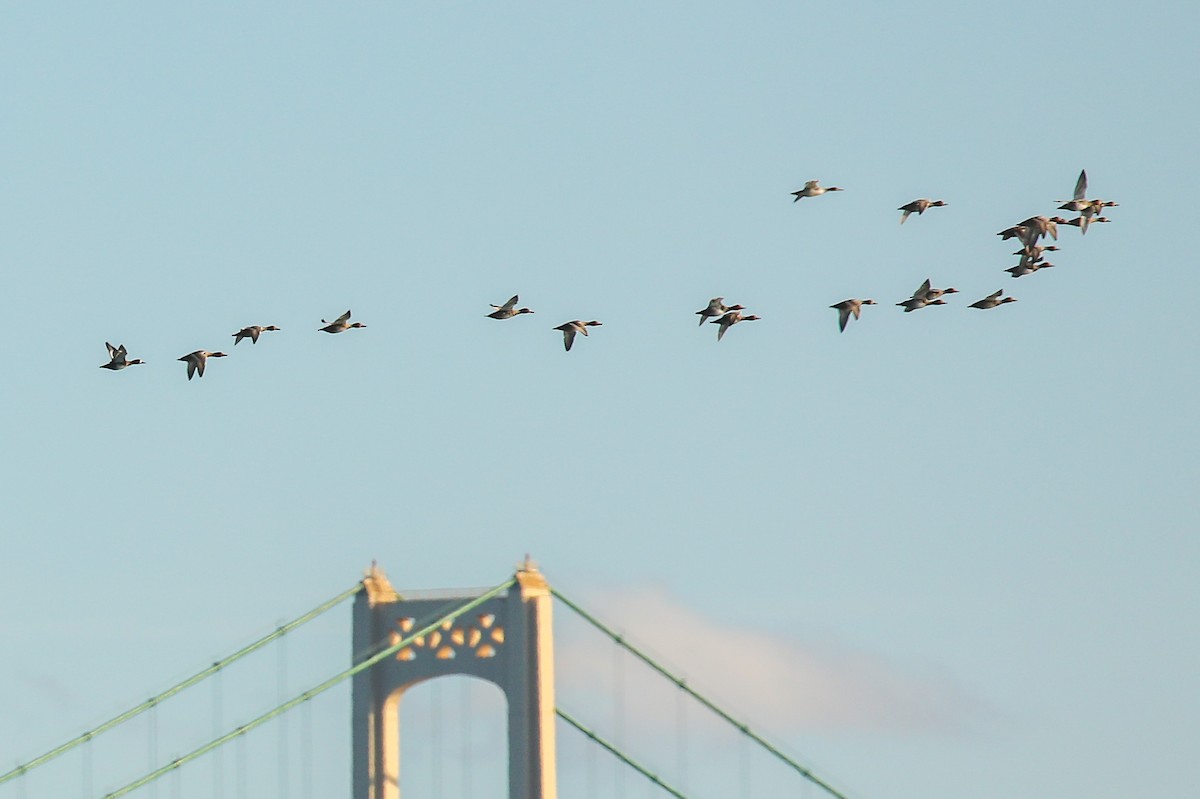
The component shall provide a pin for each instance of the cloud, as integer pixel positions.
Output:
(780, 681)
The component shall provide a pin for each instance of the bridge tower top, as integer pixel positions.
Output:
(507, 640)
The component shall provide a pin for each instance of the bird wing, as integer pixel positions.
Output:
(1081, 185)
(508, 306)
(922, 290)
(341, 318)
(843, 317)
(112, 351)
(191, 362)
(569, 337)
(254, 331)
(200, 361)
(904, 215)
(811, 184)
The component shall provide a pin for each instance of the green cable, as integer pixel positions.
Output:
(189, 682)
(682, 684)
(624, 758)
(309, 694)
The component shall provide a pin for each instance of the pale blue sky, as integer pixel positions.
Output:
(995, 512)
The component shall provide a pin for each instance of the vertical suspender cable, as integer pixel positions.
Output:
(435, 713)
(87, 769)
(240, 766)
(466, 737)
(306, 753)
(153, 744)
(283, 728)
(218, 725)
(619, 713)
(681, 723)
(744, 750)
(591, 772)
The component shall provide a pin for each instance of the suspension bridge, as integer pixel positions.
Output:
(501, 635)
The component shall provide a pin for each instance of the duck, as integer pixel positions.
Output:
(1028, 267)
(1084, 220)
(917, 303)
(339, 325)
(251, 333)
(847, 307)
(1077, 203)
(992, 300)
(196, 360)
(1094, 210)
(919, 207)
(508, 309)
(1096, 205)
(716, 307)
(812, 188)
(1033, 252)
(1080, 205)
(1039, 226)
(1016, 232)
(729, 320)
(117, 359)
(569, 329)
(926, 291)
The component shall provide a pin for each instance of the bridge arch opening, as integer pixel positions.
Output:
(454, 735)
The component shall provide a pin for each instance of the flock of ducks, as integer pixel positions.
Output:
(1028, 232)
(118, 357)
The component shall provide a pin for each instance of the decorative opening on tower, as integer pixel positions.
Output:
(485, 651)
(445, 653)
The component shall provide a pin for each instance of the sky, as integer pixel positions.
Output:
(940, 554)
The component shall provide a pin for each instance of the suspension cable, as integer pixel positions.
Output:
(683, 686)
(174, 689)
(419, 631)
(624, 758)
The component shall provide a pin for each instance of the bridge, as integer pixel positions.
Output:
(502, 636)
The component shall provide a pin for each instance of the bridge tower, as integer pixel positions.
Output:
(508, 641)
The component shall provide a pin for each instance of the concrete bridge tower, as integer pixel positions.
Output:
(507, 640)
